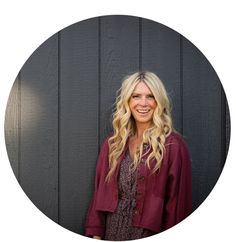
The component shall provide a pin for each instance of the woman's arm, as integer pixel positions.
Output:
(178, 202)
(95, 220)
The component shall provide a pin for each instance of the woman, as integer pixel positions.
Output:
(143, 176)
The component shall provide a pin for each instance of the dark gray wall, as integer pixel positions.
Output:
(59, 109)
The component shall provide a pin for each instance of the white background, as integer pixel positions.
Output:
(24, 25)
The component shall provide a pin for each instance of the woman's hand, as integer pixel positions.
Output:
(97, 237)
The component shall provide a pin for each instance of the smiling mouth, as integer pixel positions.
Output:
(143, 111)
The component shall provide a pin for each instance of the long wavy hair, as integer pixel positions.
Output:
(124, 123)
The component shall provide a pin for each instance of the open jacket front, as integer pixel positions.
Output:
(163, 199)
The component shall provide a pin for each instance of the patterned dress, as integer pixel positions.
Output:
(119, 224)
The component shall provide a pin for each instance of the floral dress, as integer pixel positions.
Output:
(119, 223)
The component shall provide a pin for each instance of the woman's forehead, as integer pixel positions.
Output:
(142, 87)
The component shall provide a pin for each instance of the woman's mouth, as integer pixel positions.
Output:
(143, 111)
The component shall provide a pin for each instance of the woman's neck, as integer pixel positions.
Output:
(140, 128)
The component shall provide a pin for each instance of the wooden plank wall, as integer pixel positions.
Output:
(59, 109)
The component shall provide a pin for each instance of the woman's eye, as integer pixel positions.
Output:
(150, 96)
(135, 96)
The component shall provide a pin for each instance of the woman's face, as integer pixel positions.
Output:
(142, 104)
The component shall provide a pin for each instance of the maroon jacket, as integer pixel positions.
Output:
(162, 199)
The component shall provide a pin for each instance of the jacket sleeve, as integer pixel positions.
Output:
(178, 199)
(95, 220)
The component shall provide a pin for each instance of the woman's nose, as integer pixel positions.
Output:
(143, 101)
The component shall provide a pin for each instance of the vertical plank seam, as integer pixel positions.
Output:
(99, 80)
(140, 45)
(58, 125)
(19, 128)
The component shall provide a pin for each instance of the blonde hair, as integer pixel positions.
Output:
(124, 123)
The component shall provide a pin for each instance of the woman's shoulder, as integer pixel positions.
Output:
(106, 139)
(175, 139)
(177, 150)
(105, 142)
